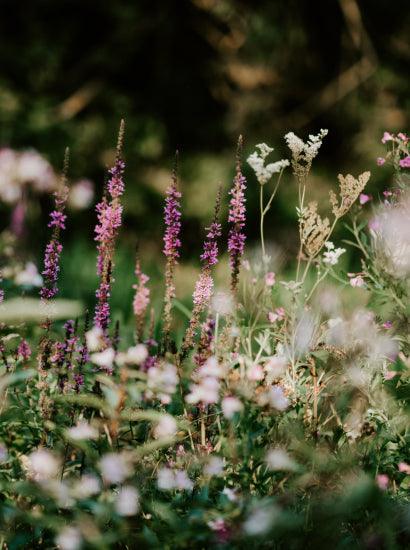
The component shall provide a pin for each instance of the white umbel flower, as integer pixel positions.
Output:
(332, 254)
(257, 162)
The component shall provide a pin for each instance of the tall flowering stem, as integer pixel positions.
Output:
(109, 216)
(141, 300)
(172, 245)
(54, 247)
(204, 285)
(237, 219)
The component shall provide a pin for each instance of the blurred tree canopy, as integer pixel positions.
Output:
(193, 74)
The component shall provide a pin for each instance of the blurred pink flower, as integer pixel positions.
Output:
(382, 481)
(380, 161)
(363, 198)
(387, 137)
(405, 163)
(277, 315)
(270, 278)
(404, 467)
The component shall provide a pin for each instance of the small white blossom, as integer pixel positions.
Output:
(82, 430)
(260, 520)
(278, 459)
(169, 479)
(166, 426)
(257, 162)
(127, 501)
(134, 355)
(69, 538)
(305, 151)
(42, 465)
(114, 468)
(94, 339)
(29, 276)
(104, 359)
(332, 255)
(214, 466)
(86, 487)
(206, 392)
(230, 406)
(162, 381)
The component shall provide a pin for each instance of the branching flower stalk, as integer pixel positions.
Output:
(263, 174)
(204, 285)
(109, 214)
(172, 245)
(237, 219)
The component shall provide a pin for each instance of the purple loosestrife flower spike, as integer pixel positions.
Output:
(141, 300)
(54, 246)
(237, 219)
(109, 217)
(204, 285)
(172, 244)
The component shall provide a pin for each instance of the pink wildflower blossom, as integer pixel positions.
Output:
(387, 137)
(363, 198)
(405, 163)
(380, 161)
(270, 278)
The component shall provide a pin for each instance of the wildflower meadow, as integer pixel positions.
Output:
(269, 411)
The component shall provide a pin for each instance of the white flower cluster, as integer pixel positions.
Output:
(305, 151)
(206, 391)
(162, 382)
(169, 479)
(257, 162)
(332, 254)
(18, 169)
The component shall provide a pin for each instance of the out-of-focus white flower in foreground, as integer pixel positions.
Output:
(115, 467)
(81, 194)
(166, 426)
(69, 538)
(231, 405)
(278, 459)
(82, 430)
(169, 479)
(42, 465)
(127, 501)
(29, 276)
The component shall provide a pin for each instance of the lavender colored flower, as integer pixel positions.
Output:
(172, 244)
(24, 350)
(54, 247)
(237, 219)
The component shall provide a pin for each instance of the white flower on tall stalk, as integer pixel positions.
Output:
(82, 430)
(257, 162)
(115, 467)
(127, 501)
(306, 151)
(332, 254)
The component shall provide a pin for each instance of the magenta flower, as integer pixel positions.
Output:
(24, 350)
(363, 198)
(237, 219)
(405, 163)
(109, 218)
(54, 247)
(172, 244)
(387, 137)
(172, 216)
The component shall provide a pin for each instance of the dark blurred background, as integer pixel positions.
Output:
(193, 75)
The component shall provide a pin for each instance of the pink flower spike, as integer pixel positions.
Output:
(270, 278)
(380, 161)
(405, 163)
(404, 467)
(387, 137)
(363, 198)
(382, 481)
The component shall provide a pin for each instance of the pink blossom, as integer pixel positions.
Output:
(277, 315)
(390, 374)
(382, 481)
(405, 163)
(387, 325)
(363, 198)
(380, 161)
(255, 373)
(402, 136)
(387, 137)
(270, 278)
(357, 282)
(404, 467)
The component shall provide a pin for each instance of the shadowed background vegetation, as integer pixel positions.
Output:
(193, 75)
